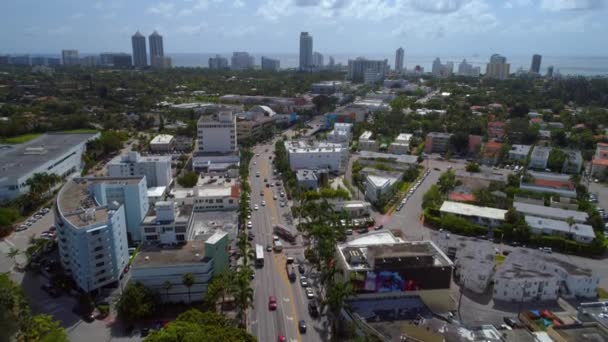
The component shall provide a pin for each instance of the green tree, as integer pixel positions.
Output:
(188, 179)
(447, 181)
(220, 286)
(167, 286)
(243, 293)
(137, 302)
(8, 216)
(432, 198)
(556, 160)
(43, 328)
(188, 281)
(337, 294)
(472, 167)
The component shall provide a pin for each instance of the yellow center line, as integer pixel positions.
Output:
(282, 263)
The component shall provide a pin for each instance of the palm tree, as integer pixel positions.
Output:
(220, 286)
(167, 286)
(571, 222)
(335, 298)
(188, 281)
(246, 250)
(13, 253)
(243, 293)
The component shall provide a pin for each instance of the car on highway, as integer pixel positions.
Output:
(255, 207)
(257, 173)
(303, 281)
(261, 192)
(263, 203)
(282, 204)
(274, 197)
(282, 338)
(249, 217)
(249, 225)
(268, 248)
(310, 293)
(290, 260)
(302, 326)
(272, 303)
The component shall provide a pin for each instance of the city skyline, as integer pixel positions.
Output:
(434, 27)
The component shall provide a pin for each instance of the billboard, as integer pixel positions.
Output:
(381, 282)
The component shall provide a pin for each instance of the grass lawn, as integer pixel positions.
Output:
(601, 293)
(20, 139)
(499, 259)
(81, 130)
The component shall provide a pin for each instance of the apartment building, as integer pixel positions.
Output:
(401, 144)
(484, 216)
(156, 169)
(366, 143)
(316, 155)
(166, 223)
(341, 133)
(599, 164)
(217, 147)
(437, 142)
(162, 143)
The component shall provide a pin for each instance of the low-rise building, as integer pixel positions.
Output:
(573, 163)
(552, 183)
(156, 194)
(379, 265)
(475, 266)
(166, 223)
(577, 332)
(156, 169)
(484, 216)
(354, 209)
(326, 87)
(253, 127)
(92, 237)
(578, 232)
(482, 179)
(162, 143)
(519, 152)
(599, 164)
(496, 130)
(366, 143)
(380, 185)
(539, 157)
(217, 196)
(401, 144)
(395, 161)
(52, 153)
(155, 266)
(307, 179)
(316, 155)
(551, 213)
(341, 134)
(437, 142)
(491, 153)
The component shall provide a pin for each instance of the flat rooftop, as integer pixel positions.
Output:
(549, 212)
(205, 224)
(162, 139)
(154, 256)
(313, 147)
(394, 158)
(560, 226)
(19, 160)
(527, 263)
(485, 175)
(464, 209)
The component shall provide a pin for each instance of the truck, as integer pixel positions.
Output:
(291, 273)
(284, 233)
(278, 246)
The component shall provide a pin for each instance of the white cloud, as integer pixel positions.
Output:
(166, 9)
(191, 29)
(78, 15)
(238, 4)
(439, 6)
(169, 10)
(571, 5)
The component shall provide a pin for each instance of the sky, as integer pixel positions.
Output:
(423, 27)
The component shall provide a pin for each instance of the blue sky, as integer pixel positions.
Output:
(430, 27)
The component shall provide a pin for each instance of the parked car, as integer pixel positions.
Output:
(313, 310)
(310, 293)
(302, 326)
(303, 281)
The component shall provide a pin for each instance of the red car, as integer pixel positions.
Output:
(282, 338)
(272, 303)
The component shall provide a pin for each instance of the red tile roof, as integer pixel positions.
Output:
(554, 184)
(461, 197)
(234, 191)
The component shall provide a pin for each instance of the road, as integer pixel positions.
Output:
(272, 280)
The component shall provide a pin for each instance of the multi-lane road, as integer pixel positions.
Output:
(272, 279)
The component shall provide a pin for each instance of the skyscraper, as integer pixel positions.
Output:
(399, 59)
(140, 56)
(498, 67)
(241, 61)
(359, 67)
(550, 71)
(70, 57)
(156, 45)
(317, 60)
(218, 63)
(305, 51)
(270, 64)
(536, 59)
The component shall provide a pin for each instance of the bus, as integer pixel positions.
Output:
(259, 255)
(284, 233)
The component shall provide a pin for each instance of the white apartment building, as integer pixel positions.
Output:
(485, 216)
(366, 143)
(162, 143)
(217, 133)
(156, 265)
(528, 275)
(475, 266)
(316, 155)
(52, 153)
(519, 152)
(166, 223)
(380, 185)
(341, 133)
(92, 238)
(579, 217)
(157, 169)
(578, 232)
(208, 197)
(401, 144)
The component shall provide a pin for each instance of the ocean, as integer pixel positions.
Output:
(566, 65)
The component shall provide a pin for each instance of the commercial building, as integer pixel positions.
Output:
(216, 196)
(92, 237)
(325, 87)
(166, 223)
(341, 134)
(401, 144)
(437, 142)
(379, 265)
(140, 55)
(498, 67)
(535, 67)
(253, 126)
(155, 40)
(539, 157)
(217, 133)
(579, 217)
(519, 152)
(395, 161)
(442, 70)
(269, 64)
(122, 60)
(467, 69)
(599, 164)
(316, 155)
(69, 57)
(306, 62)
(354, 208)
(161, 62)
(218, 63)
(530, 275)
(380, 185)
(399, 60)
(578, 232)
(241, 61)
(366, 143)
(162, 143)
(52, 153)
(484, 216)
(358, 67)
(157, 169)
(155, 266)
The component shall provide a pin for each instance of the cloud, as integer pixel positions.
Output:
(571, 5)
(191, 29)
(439, 6)
(166, 9)
(238, 4)
(307, 3)
(169, 10)
(368, 9)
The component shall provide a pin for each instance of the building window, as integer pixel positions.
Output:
(99, 264)
(98, 256)
(150, 230)
(219, 201)
(180, 237)
(97, 249)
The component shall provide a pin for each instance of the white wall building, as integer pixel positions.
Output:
(92, 238)
(401, 144)
(341, 133)
(475, 266)
(154, 266)
(366, 143)
(380, 185)
(53, 153)
(208, 197)
(162, 143)
(578, 232)
(166, 223)
(320, 155)
(519, 152)
(485, 216)
(579, 217)
(157, 169)
(217, 133)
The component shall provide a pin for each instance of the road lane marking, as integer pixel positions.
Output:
(286, 281)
